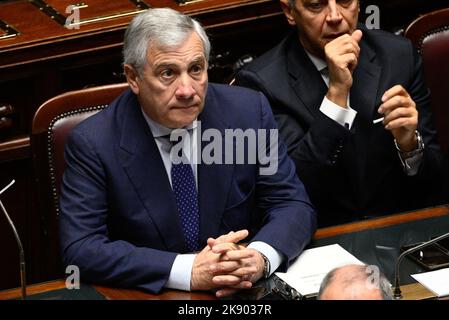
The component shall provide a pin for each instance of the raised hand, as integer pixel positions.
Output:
(400, 117)
(342, 55)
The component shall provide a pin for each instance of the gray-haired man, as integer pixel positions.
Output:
(132, 217)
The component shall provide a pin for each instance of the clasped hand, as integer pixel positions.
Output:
(226, 265)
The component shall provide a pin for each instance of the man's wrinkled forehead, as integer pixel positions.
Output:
(166, 62)
(188, 50)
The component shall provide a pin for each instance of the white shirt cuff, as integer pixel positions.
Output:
(343, 116)
(181, 272)
(274, 256)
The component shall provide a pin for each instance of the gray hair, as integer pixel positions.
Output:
(361, 274)
(162, 27)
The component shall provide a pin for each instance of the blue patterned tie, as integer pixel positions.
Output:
(184, 189)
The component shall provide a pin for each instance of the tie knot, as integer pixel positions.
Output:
(177, 135)
(325, 71)
(178, 144)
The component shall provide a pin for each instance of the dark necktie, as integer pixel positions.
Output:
(325, 73)
(184, 189)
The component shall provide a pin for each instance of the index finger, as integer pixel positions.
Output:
(237, 254)
(231, 237)
(224, 247)
(394, 91)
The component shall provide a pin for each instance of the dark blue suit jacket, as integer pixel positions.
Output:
(119, 222)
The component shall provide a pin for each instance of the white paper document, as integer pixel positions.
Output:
(436, 281)
(308, 270)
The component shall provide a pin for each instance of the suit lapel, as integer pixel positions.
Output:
(143, 164)
(214, 180)
(365, 86)
(364, 99)
(310, 87)
(305, 79)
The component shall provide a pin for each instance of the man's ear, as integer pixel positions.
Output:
(288, 12)
(132, 78)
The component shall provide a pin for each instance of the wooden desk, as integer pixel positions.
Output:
(128, 294)
(109, 293)
(382, 222)
(416, 291)
(412, 291)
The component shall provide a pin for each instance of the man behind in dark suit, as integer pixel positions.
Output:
(131, 216)
(330, 83)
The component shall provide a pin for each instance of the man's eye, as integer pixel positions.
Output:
(167, 73)
(196, 69)
(315, 5)
(345, 2)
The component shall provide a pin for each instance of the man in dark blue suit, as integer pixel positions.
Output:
(354, 111)
(133, 216)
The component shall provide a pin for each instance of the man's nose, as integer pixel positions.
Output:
(185, 88)
(334, 14)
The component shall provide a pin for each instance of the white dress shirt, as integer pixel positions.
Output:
(181, 271)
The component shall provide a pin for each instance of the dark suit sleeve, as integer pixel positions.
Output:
(290, 218)
(84, 232)
(429, 174)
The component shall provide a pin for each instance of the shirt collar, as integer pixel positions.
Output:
(319, 64)
(159, 130)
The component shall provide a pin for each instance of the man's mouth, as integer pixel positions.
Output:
(185, 107)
